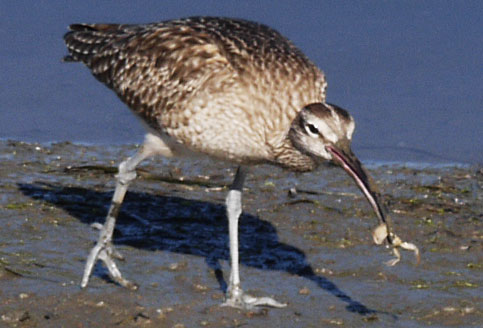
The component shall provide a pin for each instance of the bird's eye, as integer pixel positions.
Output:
(312, 129)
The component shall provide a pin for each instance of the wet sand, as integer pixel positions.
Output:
(313, 250)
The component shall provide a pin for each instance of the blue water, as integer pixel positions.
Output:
(410, 72)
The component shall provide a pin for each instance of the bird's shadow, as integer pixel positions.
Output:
(189, 227)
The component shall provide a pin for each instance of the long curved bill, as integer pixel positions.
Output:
(349, 162)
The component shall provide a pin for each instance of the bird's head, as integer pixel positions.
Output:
(324, 132)
(319, 127)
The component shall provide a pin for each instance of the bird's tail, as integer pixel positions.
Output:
(85, 41)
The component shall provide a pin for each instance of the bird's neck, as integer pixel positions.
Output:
(289, 157)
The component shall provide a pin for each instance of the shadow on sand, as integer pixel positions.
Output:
(189, 227)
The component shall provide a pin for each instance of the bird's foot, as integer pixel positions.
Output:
(238, 299)
(105, 251)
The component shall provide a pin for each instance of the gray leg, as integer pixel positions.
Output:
(104, 249)
(235, 296)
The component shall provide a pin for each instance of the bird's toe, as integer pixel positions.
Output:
(241, 300)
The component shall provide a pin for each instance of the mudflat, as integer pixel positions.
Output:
(305, 239)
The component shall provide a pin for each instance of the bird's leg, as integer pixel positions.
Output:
(235, 296)
(104, 250)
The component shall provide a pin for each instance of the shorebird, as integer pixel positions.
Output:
(232, 89)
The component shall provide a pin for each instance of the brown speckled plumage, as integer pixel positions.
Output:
(227, 88)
